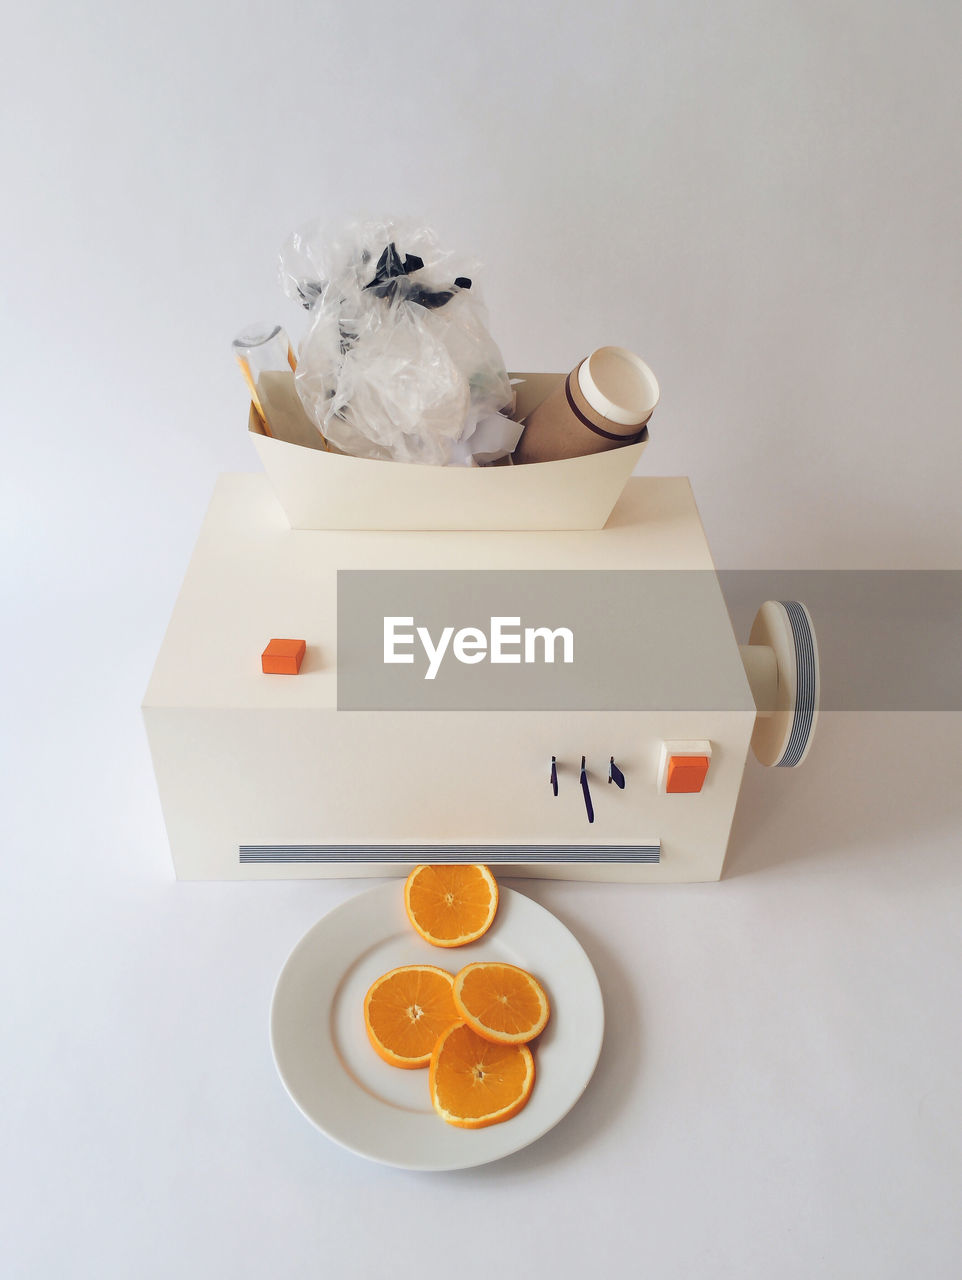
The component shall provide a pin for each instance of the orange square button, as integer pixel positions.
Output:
(283, 657)
(685, 774)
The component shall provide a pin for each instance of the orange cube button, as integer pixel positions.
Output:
(685, 774)
(283, 657)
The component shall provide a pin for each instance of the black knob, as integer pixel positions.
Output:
(615, 775)
(589, 808)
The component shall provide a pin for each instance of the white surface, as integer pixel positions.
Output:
(778, 1093)
(377, 1111)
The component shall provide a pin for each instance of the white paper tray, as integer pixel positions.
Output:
(321, 490)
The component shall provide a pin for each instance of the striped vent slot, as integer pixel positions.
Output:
(807, 683)
(488, 853)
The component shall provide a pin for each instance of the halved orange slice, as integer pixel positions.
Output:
(406, 1010)
(501, 1002)
(475, 1083)
(452, 904)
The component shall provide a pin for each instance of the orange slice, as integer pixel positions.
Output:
(475, 1083)
(406, 1010)
(451, 905)
(501, 1002)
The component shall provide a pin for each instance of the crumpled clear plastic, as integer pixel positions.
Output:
(397, 362)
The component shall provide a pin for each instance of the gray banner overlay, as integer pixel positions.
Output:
(888, 640)
(535, 640)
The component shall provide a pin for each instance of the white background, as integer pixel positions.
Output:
(762, 198)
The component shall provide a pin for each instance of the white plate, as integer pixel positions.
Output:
(334, 1076)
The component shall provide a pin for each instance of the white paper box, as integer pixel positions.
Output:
(269, 764)
(320, 490)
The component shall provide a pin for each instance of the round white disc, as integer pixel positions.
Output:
(783, 738)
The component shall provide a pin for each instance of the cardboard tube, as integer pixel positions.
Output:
(604, 403)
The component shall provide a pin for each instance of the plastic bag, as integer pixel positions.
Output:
(397, 362)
